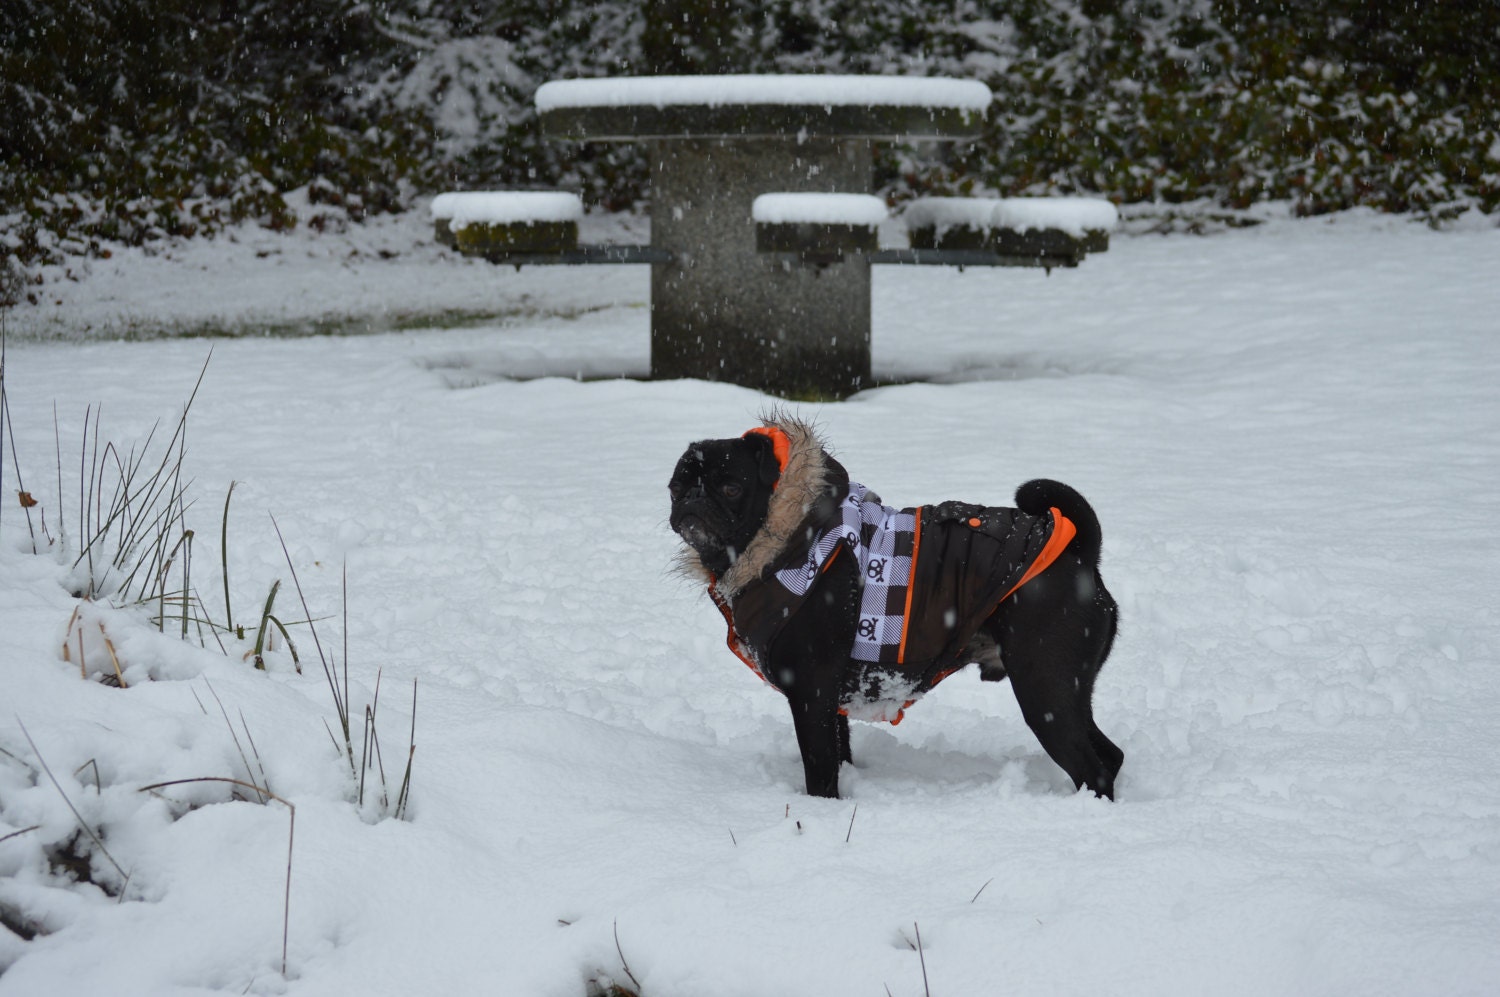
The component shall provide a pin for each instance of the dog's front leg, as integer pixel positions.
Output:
(823, 738)
(810, 657)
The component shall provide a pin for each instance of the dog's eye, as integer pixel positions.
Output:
(732, 490)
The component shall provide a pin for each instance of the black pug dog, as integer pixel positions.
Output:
(854, 609)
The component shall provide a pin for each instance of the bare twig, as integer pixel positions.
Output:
(625, 965)
(340, 699)
(244, 760)
(404, 796)
(850, 833)
(98, 786)
(987, 882)
(264, 781)
(109, 646)
(68, 639)
(372, 748)
(78, 816)
(364, 756)
(25, 498)
(17, 834)
(336, 749)
(923, 959)
(286, 911)
(8, 427)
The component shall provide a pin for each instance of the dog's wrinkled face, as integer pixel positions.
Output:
(720, 491)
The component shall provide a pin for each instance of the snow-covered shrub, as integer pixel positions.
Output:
(136, 120)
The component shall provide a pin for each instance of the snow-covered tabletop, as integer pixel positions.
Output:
(718, 91)
(795, 107)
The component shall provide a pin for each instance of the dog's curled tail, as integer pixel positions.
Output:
(1037, 496)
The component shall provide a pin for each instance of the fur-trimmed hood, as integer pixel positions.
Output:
(808, 491)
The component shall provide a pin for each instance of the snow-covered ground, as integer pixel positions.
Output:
(1291, 434)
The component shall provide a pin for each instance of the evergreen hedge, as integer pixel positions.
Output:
(127, 121)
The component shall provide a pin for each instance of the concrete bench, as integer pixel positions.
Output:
(1051, 231)
(816, 228)
(821, 229)
(524, 226)
(528, 221)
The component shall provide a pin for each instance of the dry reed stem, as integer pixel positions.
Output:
(124, 877)
(17, 834)
(75, 622)
(625, 965)
(926, 990)
(67, 638)
(109, 646)
(286, 911)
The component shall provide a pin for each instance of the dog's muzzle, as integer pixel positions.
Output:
(692, 530)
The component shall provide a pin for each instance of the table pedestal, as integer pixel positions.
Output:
(721, 310)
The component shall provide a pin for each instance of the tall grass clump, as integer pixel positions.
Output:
(128, 544)
(126, 538)
(131, 528)
(123, 541)
(368, 764)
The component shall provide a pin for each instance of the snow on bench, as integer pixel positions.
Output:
(1077, 216)
(818, 227)
(944, 213)
(1064, 227)
(535, 221)
(823, 209)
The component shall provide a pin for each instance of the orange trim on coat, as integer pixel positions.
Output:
(1063, 532)
(837, 550)
(911, 579)
(781, 445)
(731, 639)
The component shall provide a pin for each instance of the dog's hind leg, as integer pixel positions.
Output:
(1054, 634)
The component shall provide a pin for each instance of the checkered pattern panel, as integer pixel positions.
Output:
(882, 540)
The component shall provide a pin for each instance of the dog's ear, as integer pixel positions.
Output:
(767, 463)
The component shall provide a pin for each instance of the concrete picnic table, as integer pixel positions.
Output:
(720, 308)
